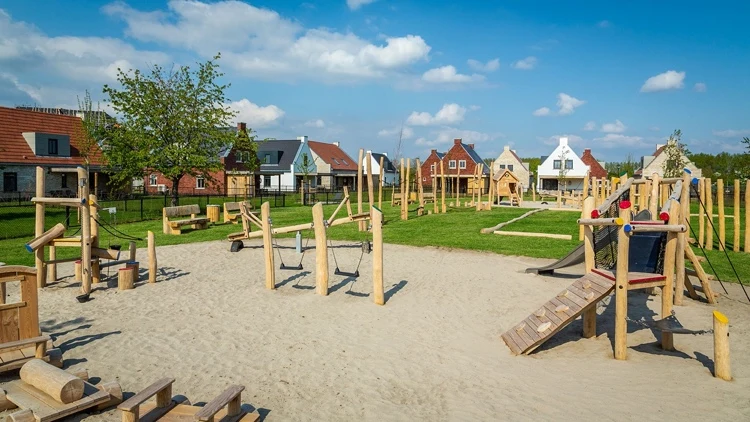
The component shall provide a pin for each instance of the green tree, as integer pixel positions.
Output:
(534, 164)
(618, 168)
(562, 174)
(305, 166)
(173, 122)
(676, 153)
(746, 141)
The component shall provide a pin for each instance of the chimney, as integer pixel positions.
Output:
(659, 146)
(587, 151)
(506, 148)
(471, 146)
(456, 141)
(433, 151)
(302, 139)
(564, 141)
(241, 127)
(385, 154)
(337, 143)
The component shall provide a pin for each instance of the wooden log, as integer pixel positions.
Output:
(152, 264)
(115, 394)
(25, 415)
(377, 257)
(370, 183)
(265, 216)
(435, 207)
(736, 239)
(85, 234)
(131, 250)
(359, 186)
(530, 234)
(681, 280)
(126, 278)
(402, 178)
(420, 192)
(702, 213)
(77, 273)
(321, 250)
(709, 204)
(380, 184)
(747, 216)
(653, 205)
(722, 220)
(657, 228)
(60, 202)
(505, 223)
(41, 276)
(621, 287)
(61, 386)
(136, 266)
(722, 367)
(56, 231)
(442, 177)
(5, 404)
(405, 199)
(667, 291)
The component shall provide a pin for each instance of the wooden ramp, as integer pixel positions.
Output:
(554, 315)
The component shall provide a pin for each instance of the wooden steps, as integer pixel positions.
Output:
(553, 316)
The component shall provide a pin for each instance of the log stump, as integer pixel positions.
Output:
(126, 278)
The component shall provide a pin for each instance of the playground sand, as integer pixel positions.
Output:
(433, 352)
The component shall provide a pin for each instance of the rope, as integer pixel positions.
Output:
(122, 235)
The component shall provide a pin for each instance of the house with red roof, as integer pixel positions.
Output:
(654, 163)
(31, 138)
(462, 160)
(335, 169)
(596, 167)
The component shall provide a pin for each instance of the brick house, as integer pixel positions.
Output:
(596, 167)
(335, 168)
(31, 138)
(508, 159)
(461, 157)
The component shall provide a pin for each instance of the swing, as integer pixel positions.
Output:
(297, 267)
(669, 324)
(366, 248)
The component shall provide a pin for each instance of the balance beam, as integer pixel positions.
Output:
(545, 235)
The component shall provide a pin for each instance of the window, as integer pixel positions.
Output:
(462, 164)
(52, 146)
(266, 182)
(200, 183)
(557, 164)
(452, 164)
(152, 179)
(64, 181)
(569, 164)
(432, 168)
(10, 182)
(510, 167)
(238, 157)
(336, 161)
(267, 159)
(502, 166)
(344, 161)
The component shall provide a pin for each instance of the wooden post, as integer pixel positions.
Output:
(51, 268)
(443, 187)
(85, 233)
(478, 185)
(433, 174)
(621, 285)
(321, 250)
(653, 205)
(722, 367)
(702, 212)
(420, 188)
(77, 271)
(359, 187)
(152, 264)
(491, 199)
(737, 221)
(370, 183)
(407, 187)
(643, 191)
(533, 192)
(664, 193)
(126, 278)
(589, 316)
(377, 257)
(747, 216)
(586, 209)
(380, 184)
(402, 182)
(95, 269)
(586, 185)
(132, 250)
(722, 220)
(709, 214)
(670, 257)
(559, 198)
(41, 278)
(458, 185)
(681, 279)
(265, 216)
(603, 191)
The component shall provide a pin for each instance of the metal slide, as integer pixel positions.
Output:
(576, 256)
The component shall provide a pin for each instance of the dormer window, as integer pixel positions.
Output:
(267, 159)
(52, 146)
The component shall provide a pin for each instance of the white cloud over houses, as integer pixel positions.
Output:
(405, 133)
(589, 126)
(449, 75)
(478, 66)
(256, 116)
(732, 133)
(699, 87)
(670, 79)
(525, 64)
(259, 42)
(356, 4)
(568, 103)
(448, 114)
(554, 140)
(614, 140)
(318, 123)
(446, 136)
(616, 127)
(542, 111)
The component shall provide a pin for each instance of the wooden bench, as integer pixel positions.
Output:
(428, 197)
(232, 211)
(166, 409)
(175, 226)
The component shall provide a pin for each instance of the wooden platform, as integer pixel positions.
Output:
(183, 412)
(584, 293)
(635, 280)
(47, 409)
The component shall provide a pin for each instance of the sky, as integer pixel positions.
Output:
(616, 77)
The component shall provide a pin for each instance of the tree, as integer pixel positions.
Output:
(173, 122)
(746, 141)
(618, 168)
(562, 175)
(92, 130)
(676, 153)
(305, 166)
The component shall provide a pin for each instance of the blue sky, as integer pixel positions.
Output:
(617, 77)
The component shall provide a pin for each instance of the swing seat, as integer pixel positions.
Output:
(355, 274)
(289, 267)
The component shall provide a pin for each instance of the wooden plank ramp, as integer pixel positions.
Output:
(553, 316)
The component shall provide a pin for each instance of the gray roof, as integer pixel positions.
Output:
(474, 156)
(440, 155)
(282, 154)
(388, 166)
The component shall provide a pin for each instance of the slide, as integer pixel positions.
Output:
(554, 315)
(576, 256)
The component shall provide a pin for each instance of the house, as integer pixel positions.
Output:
(508, 159)
(654, 163)
(461, 159)
(390, 175)
(335, 169)
(31, 138)
(562, 169)
(596, 167)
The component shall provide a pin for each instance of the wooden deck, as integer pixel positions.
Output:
(557, 313)
(47, 409)
(182, 412)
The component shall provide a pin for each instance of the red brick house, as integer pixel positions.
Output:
(461, 159)
(596, 170)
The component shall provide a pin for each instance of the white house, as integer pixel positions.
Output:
(390, 175)
(562, 169)
(282, 164)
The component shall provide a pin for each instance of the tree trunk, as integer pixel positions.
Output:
(175, 190)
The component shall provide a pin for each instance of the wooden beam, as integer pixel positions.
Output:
(529, 234)
(505, 223)
(41, 276)
(321, 248)
(722, 367)
(265, 215)
(621, 287)
(40, 241)
(377, 257)
(359, 184)
(709, 214)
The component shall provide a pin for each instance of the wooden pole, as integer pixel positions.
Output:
(402, 187)
(491, 199)
(747, 216)
(443, 187)
(670, 257)
(586, 209)
(702, 212)
(589, 316)
(85, 233)
(621, 286)
(41, 278)
(377, 257)
(408, 194)
(737, 221)
(722, 219)
(152, 264)
(533, 192)
(653, 205)
(265, 217)
(420, 188)
(380, 184)
(359, 187)
(458, 184)
(93, 207)
(370, 183)
(681, 279)
(435, 207)
(479, 185)
(722, 367)
(586, 184)
(321, 250)
(643, 191)
(709, 214)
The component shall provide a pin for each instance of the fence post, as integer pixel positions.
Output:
(141, 207)
(126, 203)
(67, 217)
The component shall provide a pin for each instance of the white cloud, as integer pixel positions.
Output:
(406, 132)
(260, 42)
(448, 74)
(525, 64)
(590, 126)
(616, 127)
(254, 115)
(555, 139)
(604, 24)
(447, 135)
(315, 123)
(654, 128)
(700, 87)
(670, 79)
(731, 133)
(474, 107)
(544, 111)
(478, 66)
(568, 104)
(356, 4)
(28, 90)
(613, 140)
(448, 114)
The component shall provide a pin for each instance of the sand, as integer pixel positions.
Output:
(433, 352)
